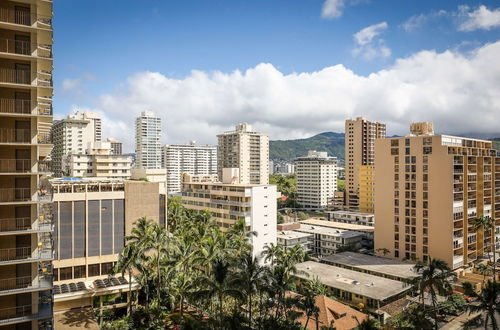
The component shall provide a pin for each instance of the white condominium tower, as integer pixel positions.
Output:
(147, 141)
(246, 150)
(316, 179)
(188, 158)
(72, 136)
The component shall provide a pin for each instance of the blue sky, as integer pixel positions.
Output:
(100, 45)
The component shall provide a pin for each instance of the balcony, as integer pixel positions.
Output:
(25, 48)
(15, 165)
(24, 284)
(23, 195)
(13, 135)
(22, 225)
(15, 76)
(24, 313)
(25, 107)
(24, 17)
(24, 254)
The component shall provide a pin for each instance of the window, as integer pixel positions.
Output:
(427, 150)
(65, 273)
(66, 231)
(79, 271)
(106, 268)
(94, 270)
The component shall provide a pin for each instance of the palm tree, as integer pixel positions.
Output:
(250, 278)
(483, 270)
(434, 277)
(271, 252)
(220, 284)
(368, 324)
(307, 302)
(487, 224)
(488, 302)
(127, 261)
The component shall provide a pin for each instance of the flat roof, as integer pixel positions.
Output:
(328, 231)
(290, 234)
(371, 286)
(339, 225)
(373, 263)
(361, 214)
(234, 185)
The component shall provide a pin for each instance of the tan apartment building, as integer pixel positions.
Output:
(92, 218)
(26, 117)
(428, 189)
(360, 135)
(230, 201)
(246, 150)
(366, 188)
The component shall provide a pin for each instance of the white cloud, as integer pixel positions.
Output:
(417, 21)
(480, 19)
(332, 8)
(458, 92)
(369, 45)
(71, 85)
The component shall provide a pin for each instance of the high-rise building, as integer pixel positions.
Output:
(360, 135)
(188, 158)
(116, 146)
(229, 201)
(71, 136)
(428, 190)
(246, 150)
(148, 141)
(366, 188)
(99, 161)
(316, 179)
(92, 216)
(26, 91)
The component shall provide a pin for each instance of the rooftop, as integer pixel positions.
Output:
(328, 231)
(290, 234)
(358, 214)
(373, 264)
(338, 225)
(371, 286)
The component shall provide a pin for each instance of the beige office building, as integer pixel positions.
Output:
(92, 218)
(428, 188)
(26, 117)
(366, 188)
(360, 135)
(247, 150)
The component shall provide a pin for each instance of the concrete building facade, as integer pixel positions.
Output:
(366, 188)
(116, 146)
(360, 135)
(148, 141)
(99, 161)
(230, 202)
(428, 190)
(71, 136)
(26, 91)
(188, 158)
(316, 179)
(246, 150)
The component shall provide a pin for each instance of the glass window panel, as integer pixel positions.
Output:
(55, 217)
(66, 230)
(79, 231)
(107, 227)
(94, 229)
(119, 224)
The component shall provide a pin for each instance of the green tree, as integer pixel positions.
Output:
(487, 302)
(434, 278)
(127, 262)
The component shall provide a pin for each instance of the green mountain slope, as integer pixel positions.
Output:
(331, 142)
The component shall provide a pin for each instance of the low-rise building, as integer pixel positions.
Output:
(290, 238)
(229, 201)
(327, 240)
(352, 286)
(358, 218)
(366, 231)
(378, 266)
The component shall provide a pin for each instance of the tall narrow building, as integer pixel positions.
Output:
(71, 136)
(148, 141)
(428, 190)
(316, 179)
(188, 158)
(246, 150)
(26, 117)
(360, 135)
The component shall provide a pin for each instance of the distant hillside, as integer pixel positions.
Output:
(496, 143)
(331, 142)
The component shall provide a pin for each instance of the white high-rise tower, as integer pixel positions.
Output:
(147, 141)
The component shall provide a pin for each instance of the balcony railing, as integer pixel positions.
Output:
(43, 138)
(23, 17)
(44, 166)
(15, 253)
(16, 106)
(15, 76)
(15, 224)
(14, 312)
(15, 194)
(12, 46)
(13, 135)
(15, 165)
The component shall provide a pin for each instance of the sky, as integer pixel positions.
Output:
(291, 68)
